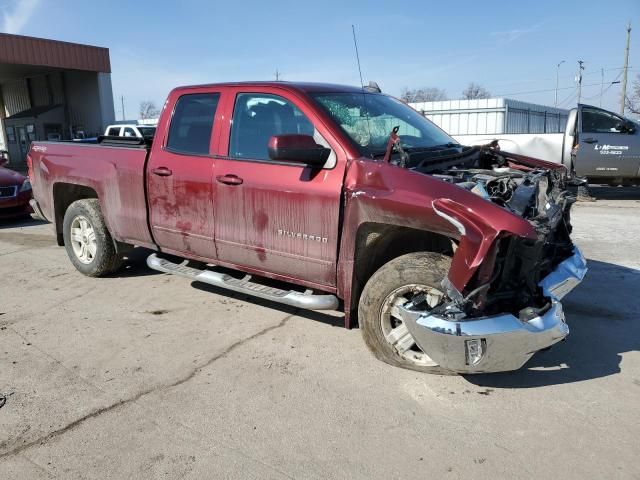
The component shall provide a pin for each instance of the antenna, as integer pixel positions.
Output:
(355, 43)
(364, 98)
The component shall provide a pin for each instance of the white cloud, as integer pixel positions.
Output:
(508, 36)
(14, 19)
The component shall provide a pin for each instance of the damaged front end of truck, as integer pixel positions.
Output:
(504, 289)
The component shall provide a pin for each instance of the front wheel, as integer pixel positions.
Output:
(393, 285)
(87, 240)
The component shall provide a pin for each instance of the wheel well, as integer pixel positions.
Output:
(64, 194)
(377, 244)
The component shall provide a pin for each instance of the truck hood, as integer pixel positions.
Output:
(532, 189)
(475, 197)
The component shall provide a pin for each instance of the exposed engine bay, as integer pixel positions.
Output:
(536, 194)
(529, 192)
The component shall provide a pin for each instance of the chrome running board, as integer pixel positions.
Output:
(306, 300)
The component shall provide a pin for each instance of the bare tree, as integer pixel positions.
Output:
(148, 109)
(632, 101)
(474, 91)
(424, 94)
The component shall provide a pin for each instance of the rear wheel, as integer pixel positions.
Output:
(87, 240)
(394, 285)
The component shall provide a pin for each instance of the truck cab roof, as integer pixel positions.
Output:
(307, 87)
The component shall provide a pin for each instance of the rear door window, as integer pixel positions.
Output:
(192, 123)
(114, 131)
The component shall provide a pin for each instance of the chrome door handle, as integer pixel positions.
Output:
(162, 172)
(229, 179)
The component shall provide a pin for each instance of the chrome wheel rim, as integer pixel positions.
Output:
(83, 239)
(395, 330)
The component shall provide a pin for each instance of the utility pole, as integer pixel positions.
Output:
(579, 78)
(122, 100)
(555, 102)
(623, 97)
(601, 85)
(277, 75)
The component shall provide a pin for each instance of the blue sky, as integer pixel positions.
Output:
(509, 47)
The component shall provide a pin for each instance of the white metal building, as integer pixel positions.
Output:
(493, 116)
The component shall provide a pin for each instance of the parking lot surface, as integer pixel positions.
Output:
(146, 375)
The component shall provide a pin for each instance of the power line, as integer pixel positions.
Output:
(611, 84)
(544, 90)
(562, 77)
(525, 92)
(569, 99)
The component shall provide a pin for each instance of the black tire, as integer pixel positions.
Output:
(420, 268)
(105, 260)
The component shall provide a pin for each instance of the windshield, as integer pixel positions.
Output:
(147, 131)
(369, 118)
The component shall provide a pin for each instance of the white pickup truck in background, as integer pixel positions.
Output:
(130, 130)
(597, 144)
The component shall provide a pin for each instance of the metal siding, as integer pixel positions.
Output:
(464, 123)
(473, 123)
(493, 116)
(16, 97)
(57, 87)
(455, 123)
(39, 91)
(482, 121)
(21, 50)
(490, 124)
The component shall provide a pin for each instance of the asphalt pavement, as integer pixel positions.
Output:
(147, 375)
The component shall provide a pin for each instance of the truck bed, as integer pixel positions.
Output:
(114, 173)
(545, 146)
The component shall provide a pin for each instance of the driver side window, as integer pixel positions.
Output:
(597, 121)
(258, 117)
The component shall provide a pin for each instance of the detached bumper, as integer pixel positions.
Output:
(497, 343)
(37, 211)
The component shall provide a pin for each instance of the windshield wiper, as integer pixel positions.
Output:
(433, 148)
(377, 154)
(410, 150)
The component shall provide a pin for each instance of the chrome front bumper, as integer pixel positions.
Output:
(497, 343)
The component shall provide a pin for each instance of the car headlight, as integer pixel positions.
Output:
(26, 186)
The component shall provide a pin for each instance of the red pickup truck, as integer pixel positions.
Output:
(450, 258)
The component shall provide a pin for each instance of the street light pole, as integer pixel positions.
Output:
(555, 102)
(601, 85)
(623, 97)
(579, 78)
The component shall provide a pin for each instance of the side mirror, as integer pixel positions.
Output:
(625, 127)
(296, 148)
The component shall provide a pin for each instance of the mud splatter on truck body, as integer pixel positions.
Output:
(325, 211)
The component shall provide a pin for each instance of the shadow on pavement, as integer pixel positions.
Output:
(19, 222)
(318, 316)
(135, 264)
(601, 192)
(603, 314)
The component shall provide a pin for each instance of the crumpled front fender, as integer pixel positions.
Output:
(478, 232)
